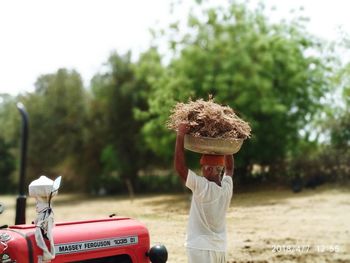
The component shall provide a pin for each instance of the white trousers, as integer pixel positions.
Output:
(205, 256)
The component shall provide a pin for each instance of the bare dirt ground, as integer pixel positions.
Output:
(263, 226)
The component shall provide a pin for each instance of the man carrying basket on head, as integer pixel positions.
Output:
(206, 240)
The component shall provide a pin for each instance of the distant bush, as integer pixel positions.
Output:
(7, 166)
(160, 184)
(111, 185)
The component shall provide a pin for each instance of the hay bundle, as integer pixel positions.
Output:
(209, 119)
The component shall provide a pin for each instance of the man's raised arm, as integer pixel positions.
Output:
(179, 158)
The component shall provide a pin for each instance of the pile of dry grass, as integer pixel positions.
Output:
(209, 119)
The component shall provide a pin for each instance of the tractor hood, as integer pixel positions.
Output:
(81, 240)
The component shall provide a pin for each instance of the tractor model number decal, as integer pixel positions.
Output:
(94, 244)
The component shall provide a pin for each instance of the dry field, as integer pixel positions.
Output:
(263, 226)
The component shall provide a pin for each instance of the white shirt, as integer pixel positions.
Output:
(207, 220)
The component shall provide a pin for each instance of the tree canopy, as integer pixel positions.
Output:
(103, 137)
(264, 71)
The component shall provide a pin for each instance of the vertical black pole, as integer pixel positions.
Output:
(22, 198)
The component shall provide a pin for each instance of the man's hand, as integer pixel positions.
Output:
(183, 128)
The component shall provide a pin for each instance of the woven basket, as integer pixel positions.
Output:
(217, 146)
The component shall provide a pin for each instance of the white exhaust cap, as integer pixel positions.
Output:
(43, 187)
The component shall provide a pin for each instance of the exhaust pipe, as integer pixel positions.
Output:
(22, 198)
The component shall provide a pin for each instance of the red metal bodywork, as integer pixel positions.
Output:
(82, 240)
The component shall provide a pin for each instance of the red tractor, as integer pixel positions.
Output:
(113, 239)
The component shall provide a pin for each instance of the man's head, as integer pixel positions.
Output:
(212, 166)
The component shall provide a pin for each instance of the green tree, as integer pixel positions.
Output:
(9, 120)
(116, 95)
(339, 123)
(335, 156)
(262, 70)
(9, 141)
(57, 111)
(7, 166)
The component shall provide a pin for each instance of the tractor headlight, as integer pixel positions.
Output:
(158, 254)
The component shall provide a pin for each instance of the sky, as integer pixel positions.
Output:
(39, 36)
